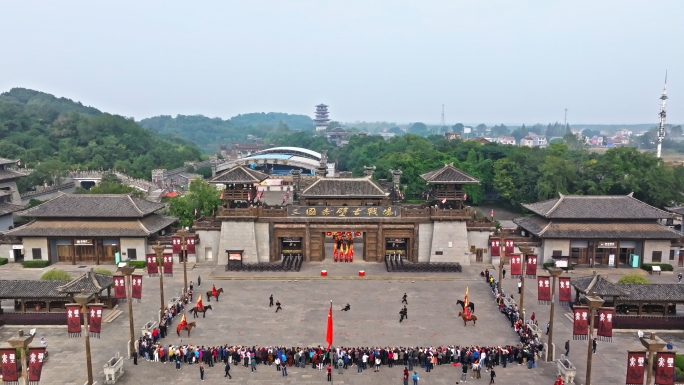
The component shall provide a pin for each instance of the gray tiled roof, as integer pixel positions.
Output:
(596, 207)
(93, 206)
(654, 292)
(90, 282)
(239, 174)
(344, 187)
(7, 174)
(449, 174)
(599, 285)
(7, 208)
(545, 228)
(93, 228)
(25, 288)
(676, 209)
(4, 161)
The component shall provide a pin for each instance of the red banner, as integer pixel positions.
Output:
(605, 324)
(136, 286)
(9, 365)
(544, 290)
(636, 364)
(531, 268)
(176, 245)
(665, 369)
(516, 266)
(168, 265)
(509, 247)
(152, 264)
(119, 287)
(35, 364)
(190, 245)
(496, 247)
(73, 320)
(580, 326)
(564, 292)
(95, 319)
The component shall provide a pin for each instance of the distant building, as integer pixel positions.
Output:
(338, 135)
(533, 140)
(10, 201)
(506, 140)
(618, 141)
(596, 141)
(452, 135)
(322, 117)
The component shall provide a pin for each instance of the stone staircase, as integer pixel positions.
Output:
(111, 315)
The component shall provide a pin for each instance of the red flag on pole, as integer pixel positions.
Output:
(136, 286)
(9, 365)
(329, 334)
(152, 269)
(516, 266)
(168, 265)
(95, 319)
(444, 201)
(496, 249)
(665, 368)
(531, 267)
(119, 287)
(73, 320)
(580, 326)
(565, 296)
(635, 368)
(35, 364)
(544, 290)
(176, 245)
(605, 324)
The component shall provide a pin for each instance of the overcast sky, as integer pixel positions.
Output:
(486, 61)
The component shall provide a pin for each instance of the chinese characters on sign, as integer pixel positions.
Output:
(73, 320)
(95, 319)
(345, 211)
(635, 368)
(9, 365)
(35, 364)
(580, 327)
(544, 290)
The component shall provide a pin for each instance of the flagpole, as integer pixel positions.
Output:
(330, 351)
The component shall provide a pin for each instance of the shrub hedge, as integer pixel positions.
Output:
(56, 275)
(663, 266)
(3, 261)
(137, 264)
(35, 264)
(633, 279)
(101, 270)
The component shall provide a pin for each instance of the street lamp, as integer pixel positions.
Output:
(159, 250)
(555, 273)
(21, 342)
(653, 344)
(594, 302)
(83, 299)
(127, 271)
(502, 254)
(525, 252)
(184, 255)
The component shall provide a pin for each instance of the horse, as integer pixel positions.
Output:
(471, 305)
(195, 310)
(188, 326)
(473, 318)
(211, 294)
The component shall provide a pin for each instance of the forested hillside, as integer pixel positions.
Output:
(518, 174)
(56, 134)
(209, 133)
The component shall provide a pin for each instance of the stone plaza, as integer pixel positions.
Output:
(243, 317)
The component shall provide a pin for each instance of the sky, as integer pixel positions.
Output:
(494, 62)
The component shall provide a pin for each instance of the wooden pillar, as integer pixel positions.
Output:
(416, 245)
(23, 306)
(639, 311)
(73, 252)
(665, 310)
(109, 295)
(617, 254)
(381, 243)
(307, 243)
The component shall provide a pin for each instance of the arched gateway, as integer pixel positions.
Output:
(323, 218)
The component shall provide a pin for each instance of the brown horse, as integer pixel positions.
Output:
(211, 294)
(473, 318)
(195, 310)
(188, 326)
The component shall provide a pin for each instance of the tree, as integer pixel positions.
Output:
(633, 279)
(501, 130)
(205, 171)
(458, 127)
(111, 184)
(418, 128)
(201, 198)
(677, 131)
(519, 133)
(395, 130)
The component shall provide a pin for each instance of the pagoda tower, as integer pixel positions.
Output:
(321, 121)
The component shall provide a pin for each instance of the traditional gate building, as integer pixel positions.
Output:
(358, 214)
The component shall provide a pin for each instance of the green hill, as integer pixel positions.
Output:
(209, 133)
(41, 129)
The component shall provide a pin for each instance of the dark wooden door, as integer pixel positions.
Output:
(65, 253)
(317, 246)
(108, 252)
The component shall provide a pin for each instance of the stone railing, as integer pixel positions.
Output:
(436, 213)
(415, 213)
(566, 370)
(248, 212)
(207, 224)
(49, 189)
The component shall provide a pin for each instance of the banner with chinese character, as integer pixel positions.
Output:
(636, 363)
(344, 211)
(580, 325)
(120, 287)
(136, 286)
(509, 247)
(531, 268)
(516, 266)
(35, 364)
(9, 366)
(73, 320)
(564, 292)
(605, 324)
(168, 265)
(665, 368)
(496, 247)
(152, 269)
(544, 290)
(190, 246)
(176, 245)
(95, 319)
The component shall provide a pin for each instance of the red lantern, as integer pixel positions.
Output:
(329, 233)
(358, 233)
(339, 234)
(349, 234)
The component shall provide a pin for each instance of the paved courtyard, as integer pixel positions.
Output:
(242, 317)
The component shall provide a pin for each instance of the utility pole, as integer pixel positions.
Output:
(184, 254)
(662, 114)
(594, 302)
(159, 250)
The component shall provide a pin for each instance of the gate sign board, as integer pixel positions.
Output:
(344, 211)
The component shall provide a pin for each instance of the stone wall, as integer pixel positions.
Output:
(139, 244)
(424, 241)
(450, 243)
(238, 236)
(209, 241)
(657, 245)
(31, 243)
